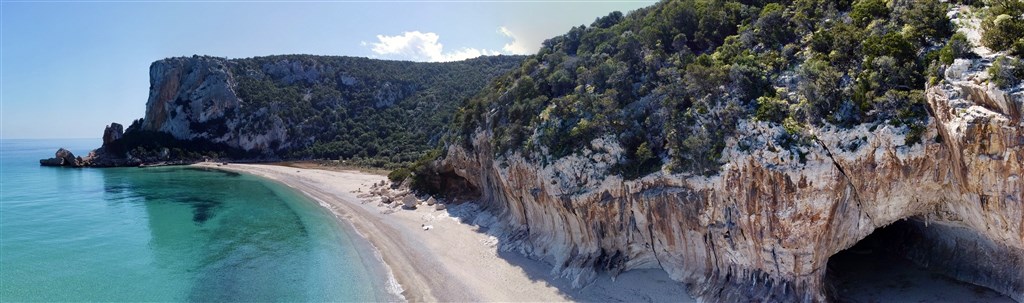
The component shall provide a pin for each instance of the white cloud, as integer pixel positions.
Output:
(516, 46)
(419, 46)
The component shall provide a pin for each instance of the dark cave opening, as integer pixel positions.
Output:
(452, 186)
(879, 268)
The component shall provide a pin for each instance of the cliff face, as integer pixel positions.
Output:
(765, 226)
(312, 106)
(186, 95)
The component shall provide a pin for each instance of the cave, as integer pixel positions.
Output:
(457, 186)
(452, 186)
(912, 261)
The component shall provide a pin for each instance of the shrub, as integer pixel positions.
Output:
(1006, 71)
(957, 47)
(399, 175)
(771, 109)
(864, 11)
(1004, 25)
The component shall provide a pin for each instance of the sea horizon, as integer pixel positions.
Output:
(169, 234)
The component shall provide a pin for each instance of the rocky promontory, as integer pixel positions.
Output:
(111, 154)
(382, 113)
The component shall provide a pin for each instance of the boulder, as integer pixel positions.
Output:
(62, 157)
(958, 70)
(410, 201)
(439, 206)
(431, 201)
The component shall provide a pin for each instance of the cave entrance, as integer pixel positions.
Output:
(877, 269)
(453, 186)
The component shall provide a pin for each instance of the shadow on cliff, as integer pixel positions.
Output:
(638, 285)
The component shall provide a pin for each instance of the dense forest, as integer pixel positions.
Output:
(670, 82)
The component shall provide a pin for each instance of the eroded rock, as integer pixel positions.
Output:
(766, 225)
(112, 133)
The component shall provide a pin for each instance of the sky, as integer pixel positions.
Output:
(67, 69)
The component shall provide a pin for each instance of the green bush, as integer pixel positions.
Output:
(957, 47)
(771, 109)
(1004, 25)
(399, 175)
(865, 11)
(1006, 71)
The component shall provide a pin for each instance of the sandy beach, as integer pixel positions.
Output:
(453, 261)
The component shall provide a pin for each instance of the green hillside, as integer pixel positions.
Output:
(673, 80)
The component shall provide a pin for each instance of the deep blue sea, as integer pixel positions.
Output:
(167, 234)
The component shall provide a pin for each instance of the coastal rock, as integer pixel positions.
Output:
(439, 206)
(431, 201)
(764, 227)
(112, 133)
(211, 100)
(62, 157)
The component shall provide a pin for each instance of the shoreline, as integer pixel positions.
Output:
(453, 261)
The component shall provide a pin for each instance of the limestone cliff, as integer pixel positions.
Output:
(312, 106)
(764, 227)
(295, 106)
(187, 95)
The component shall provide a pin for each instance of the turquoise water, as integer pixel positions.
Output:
(167, 234)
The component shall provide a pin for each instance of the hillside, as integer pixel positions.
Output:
(365, 111)
(739, 145)
(671, 81)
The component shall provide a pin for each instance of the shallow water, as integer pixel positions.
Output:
(166, 234)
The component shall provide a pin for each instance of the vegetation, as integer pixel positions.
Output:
(957, 47)
(670, 82)
(1003, 26)
(1006, 71)
(365, 112)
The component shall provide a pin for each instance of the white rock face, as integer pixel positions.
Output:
(195, 98)
(958, 69)
(766, 225)
(185, 93)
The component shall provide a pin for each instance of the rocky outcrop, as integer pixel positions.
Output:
(269, 106)
(111, 155)
(194, 98)
(63, 157)
(112, 133)
(764, 227)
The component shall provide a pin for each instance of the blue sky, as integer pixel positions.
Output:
(67, 69)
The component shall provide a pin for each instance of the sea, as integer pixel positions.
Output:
(174, 233)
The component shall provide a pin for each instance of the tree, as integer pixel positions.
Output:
(957, 47)
(926, 21)
(1004, 26)
(865, 11)
(819, 88)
